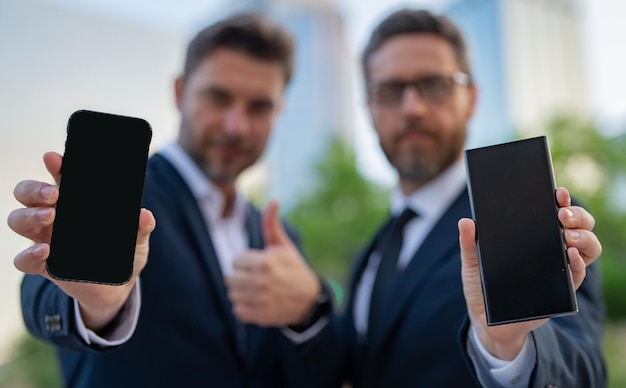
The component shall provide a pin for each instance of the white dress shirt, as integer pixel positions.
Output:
(228, 234)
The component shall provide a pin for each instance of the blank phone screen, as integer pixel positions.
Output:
(524, 266)
(100, 191)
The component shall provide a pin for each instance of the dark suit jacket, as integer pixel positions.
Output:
(420, 341)
(186, 335)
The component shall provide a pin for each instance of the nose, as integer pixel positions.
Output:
(412, 103)
(236, 121)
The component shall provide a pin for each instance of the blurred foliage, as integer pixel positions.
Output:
(340, 215)
(33, 365)
(593, 167)
(615, 353)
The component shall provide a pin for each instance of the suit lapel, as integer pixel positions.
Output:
(183, 199)
(359, 266)
(253, 225)
(437, 245)
(254, 334)
(363, 259)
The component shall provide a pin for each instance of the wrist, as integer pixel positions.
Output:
(505, 350)
(320, 307)
(98, 313)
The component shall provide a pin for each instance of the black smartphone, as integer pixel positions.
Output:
(521, 246)
(100, 192)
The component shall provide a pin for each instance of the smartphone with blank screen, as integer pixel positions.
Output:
(100, 192)
(521, 246)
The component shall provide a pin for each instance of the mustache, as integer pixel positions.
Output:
(409, 127)
(224, 140)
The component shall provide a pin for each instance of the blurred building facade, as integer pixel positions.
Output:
(527, 58)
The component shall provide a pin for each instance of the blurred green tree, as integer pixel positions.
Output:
(339, 216)
(593, 167)
(33, 365)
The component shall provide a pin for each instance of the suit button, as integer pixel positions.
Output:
(551, 386)
(53, 322)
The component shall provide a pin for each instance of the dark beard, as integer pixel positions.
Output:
(196, 153)
(420, 167)
(417, 174)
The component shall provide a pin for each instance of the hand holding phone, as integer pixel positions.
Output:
(521, 249)
(102, 173)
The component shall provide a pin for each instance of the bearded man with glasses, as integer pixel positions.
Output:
(415, 315)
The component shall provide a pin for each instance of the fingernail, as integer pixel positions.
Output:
(570, 214)
(46, 193)
(39, 251)
(43, 214)
(574, 235)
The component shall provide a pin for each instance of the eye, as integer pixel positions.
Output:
(434, 86)
(387, 92)
(217, 97)
(261, 107)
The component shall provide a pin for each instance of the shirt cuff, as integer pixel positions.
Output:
(301, 337)
(124, 327)
(514, 373)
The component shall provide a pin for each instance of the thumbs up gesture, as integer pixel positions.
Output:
(274, 286)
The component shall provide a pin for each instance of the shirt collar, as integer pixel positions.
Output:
(431, 200)
(201, 187)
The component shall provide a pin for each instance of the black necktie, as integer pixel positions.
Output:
(389, 248)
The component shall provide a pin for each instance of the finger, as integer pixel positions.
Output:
(576, 217)
(147, 224)
(32, 223)
(467, 241)
(239, 279)
(273, 231)
(585, 242)
(256, 312)
(251, 260)
(247, 313)
(577, 266)
(248, 295)
(32, 260)
(53, 162)
(563, 198)
(240, 295)
(32, 193)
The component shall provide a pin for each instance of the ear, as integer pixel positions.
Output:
(472, 98)
(373, 114)
(179, 88)
(280, 105)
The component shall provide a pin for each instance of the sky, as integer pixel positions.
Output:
(605, 61)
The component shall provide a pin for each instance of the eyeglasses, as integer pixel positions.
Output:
(431, 88)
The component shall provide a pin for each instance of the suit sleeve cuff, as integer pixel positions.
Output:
(316, 319)
(301, 337)
(514, 373)
(123, 327)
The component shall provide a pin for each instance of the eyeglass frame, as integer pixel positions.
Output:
(456, 78)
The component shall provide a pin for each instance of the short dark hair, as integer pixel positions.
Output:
(410, 21)
(250, 33)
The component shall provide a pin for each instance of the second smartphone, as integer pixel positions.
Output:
(521, 247)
